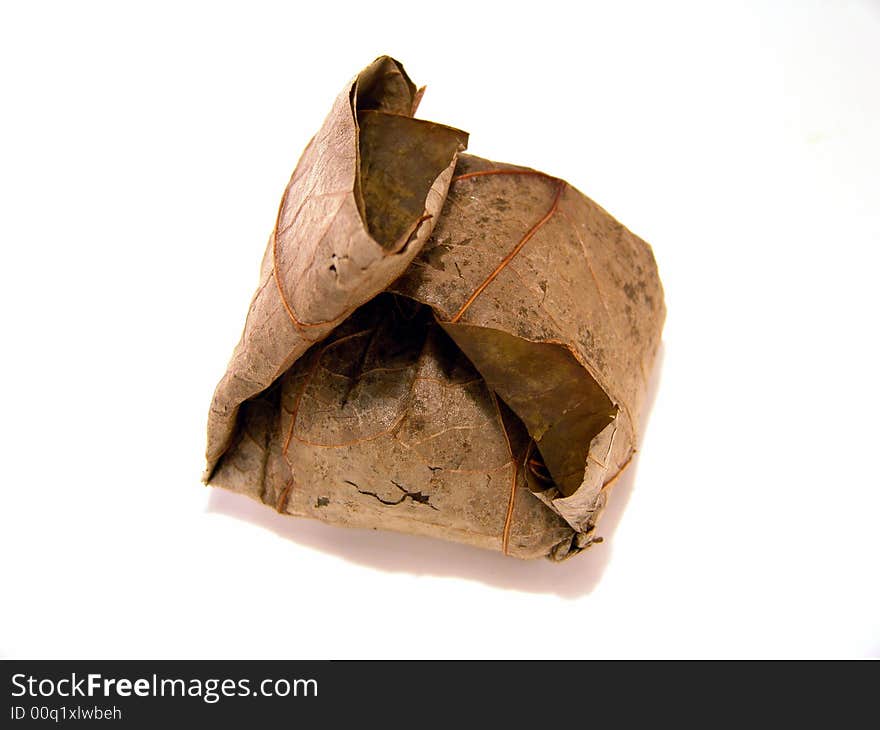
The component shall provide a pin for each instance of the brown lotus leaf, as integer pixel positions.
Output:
(439, 344)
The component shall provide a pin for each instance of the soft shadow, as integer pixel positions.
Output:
(394, 552)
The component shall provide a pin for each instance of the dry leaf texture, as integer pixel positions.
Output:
(439, 344)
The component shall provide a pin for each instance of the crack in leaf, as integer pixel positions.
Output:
(418, 497)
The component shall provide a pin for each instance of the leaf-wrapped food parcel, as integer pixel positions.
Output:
(439, 344)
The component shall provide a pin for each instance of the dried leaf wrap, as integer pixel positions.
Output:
(440, 344)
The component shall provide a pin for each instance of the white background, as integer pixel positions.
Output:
(143, 152)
